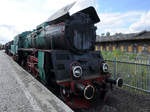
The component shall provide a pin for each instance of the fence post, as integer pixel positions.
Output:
(115, 67)
(149, 73)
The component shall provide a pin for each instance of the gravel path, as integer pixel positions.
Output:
(125, 101)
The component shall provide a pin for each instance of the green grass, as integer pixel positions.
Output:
(117, 53)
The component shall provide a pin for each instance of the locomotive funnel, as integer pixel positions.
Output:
(87, 91)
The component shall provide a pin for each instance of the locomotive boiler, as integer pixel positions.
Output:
(61, 54)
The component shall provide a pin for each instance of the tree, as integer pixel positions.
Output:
(108, 34)
(0, 46)
(102, 34)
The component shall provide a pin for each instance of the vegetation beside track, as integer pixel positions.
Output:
(133, 68)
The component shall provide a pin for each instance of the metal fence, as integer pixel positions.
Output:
(135, 71)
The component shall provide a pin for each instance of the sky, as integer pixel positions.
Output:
(117, 16)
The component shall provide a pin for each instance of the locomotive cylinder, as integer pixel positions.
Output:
(87, 91)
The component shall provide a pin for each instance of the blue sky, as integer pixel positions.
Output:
(125, 16)
(123, 5)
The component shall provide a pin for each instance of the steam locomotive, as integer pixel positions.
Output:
(61, 53)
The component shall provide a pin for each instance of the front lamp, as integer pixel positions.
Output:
(105, 67)
(77, 71)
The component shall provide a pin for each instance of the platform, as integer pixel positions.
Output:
(20, 92)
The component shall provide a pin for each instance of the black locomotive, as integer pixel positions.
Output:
(61, 53)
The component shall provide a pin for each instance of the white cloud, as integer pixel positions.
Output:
(56, 4)
(7, 33)
(27, 14)
(117, 22)
(129, 22)
(143, 23)
(21, 15)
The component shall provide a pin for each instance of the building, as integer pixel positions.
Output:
(134, 43)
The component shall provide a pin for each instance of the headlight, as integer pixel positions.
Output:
(77, 71)
(105, 67)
